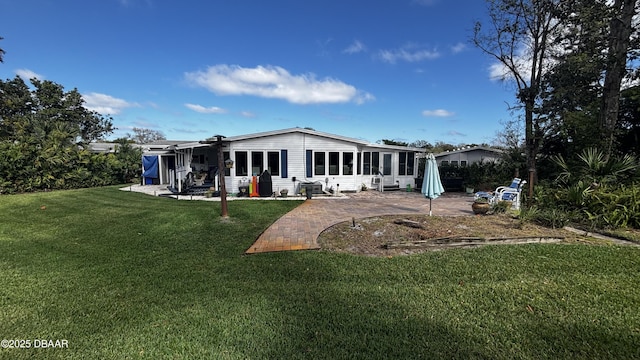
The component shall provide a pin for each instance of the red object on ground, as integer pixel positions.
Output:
(254, 191)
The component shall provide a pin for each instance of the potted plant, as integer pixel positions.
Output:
(284, 192)
(480, 206)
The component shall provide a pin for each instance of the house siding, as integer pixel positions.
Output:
(470, 156)
(296, 146)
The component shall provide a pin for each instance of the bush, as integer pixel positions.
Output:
(553, 218)
(501, 207)
(613, 208)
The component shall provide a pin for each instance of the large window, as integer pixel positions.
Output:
(257, 163)
(402, 163)
(406, 163)
(241, 163)
(273, 163)
(334, 163)
(319, 163)
(375, 163)
(347, 163)
(367, 164)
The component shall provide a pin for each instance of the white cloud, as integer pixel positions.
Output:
(499, 71)
(458, 48)
(105, 104)
(408, 54)
(205, 110)
(355, 47)
(437, 113)
(248, 114)
(27, 74)
(274, 82)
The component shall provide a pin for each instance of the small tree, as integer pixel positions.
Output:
(145, 136)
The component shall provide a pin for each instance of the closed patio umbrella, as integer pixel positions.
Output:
(431, 184)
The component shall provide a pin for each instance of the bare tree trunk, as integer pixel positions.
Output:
(620, 32)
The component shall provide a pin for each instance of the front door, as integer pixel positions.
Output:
(387, 169)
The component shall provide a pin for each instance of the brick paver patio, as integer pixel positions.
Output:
(299, 229)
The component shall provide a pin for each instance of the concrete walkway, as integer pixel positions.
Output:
(299, 229)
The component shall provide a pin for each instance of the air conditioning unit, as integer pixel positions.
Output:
(375, 181)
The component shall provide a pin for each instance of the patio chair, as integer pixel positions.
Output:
(199, 181)
(504, 193)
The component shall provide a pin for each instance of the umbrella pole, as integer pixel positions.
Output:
(430, 207)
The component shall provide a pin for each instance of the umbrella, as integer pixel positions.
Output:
(431, 184)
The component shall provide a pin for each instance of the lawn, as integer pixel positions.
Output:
(124, 275)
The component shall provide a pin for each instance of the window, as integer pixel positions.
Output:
(334, 163)
(309, 163)
(225, 157)
(444, 163)
(402, 163)
(284, 163)
(319, 162)
(359, 165)
(463, 163)
(405, 165)
(273, 163)
(241, 163)
(375, 163)
(454, 163)
(257, 163)
(367, 163)
(347, 163)
(411, 158)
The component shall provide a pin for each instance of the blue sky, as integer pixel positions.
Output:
(369, 69)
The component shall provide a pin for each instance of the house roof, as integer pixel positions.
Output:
(195, 144)
(469, 149)
(296, 130)
(106, 147)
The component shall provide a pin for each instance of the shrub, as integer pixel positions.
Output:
(501, 207)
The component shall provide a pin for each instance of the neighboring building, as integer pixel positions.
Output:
(106, 147)
(468, 155)
(291, 156)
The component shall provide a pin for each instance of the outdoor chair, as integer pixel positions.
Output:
(509, 193)
(199, 181)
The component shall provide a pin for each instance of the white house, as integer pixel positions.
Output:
(468, 155)
(291, 156)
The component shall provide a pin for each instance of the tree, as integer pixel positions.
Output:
(629, 121)
(422, 144)
(620, 30)
(520, 37)
(579, 93)
(145, 136)
(394, 142)
(42, 133)
(441, 146)
(129, 159)
(1, 52)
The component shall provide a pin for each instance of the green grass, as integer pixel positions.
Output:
(124, 275)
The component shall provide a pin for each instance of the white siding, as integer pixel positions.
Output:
(296, 145)
(470, 156)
